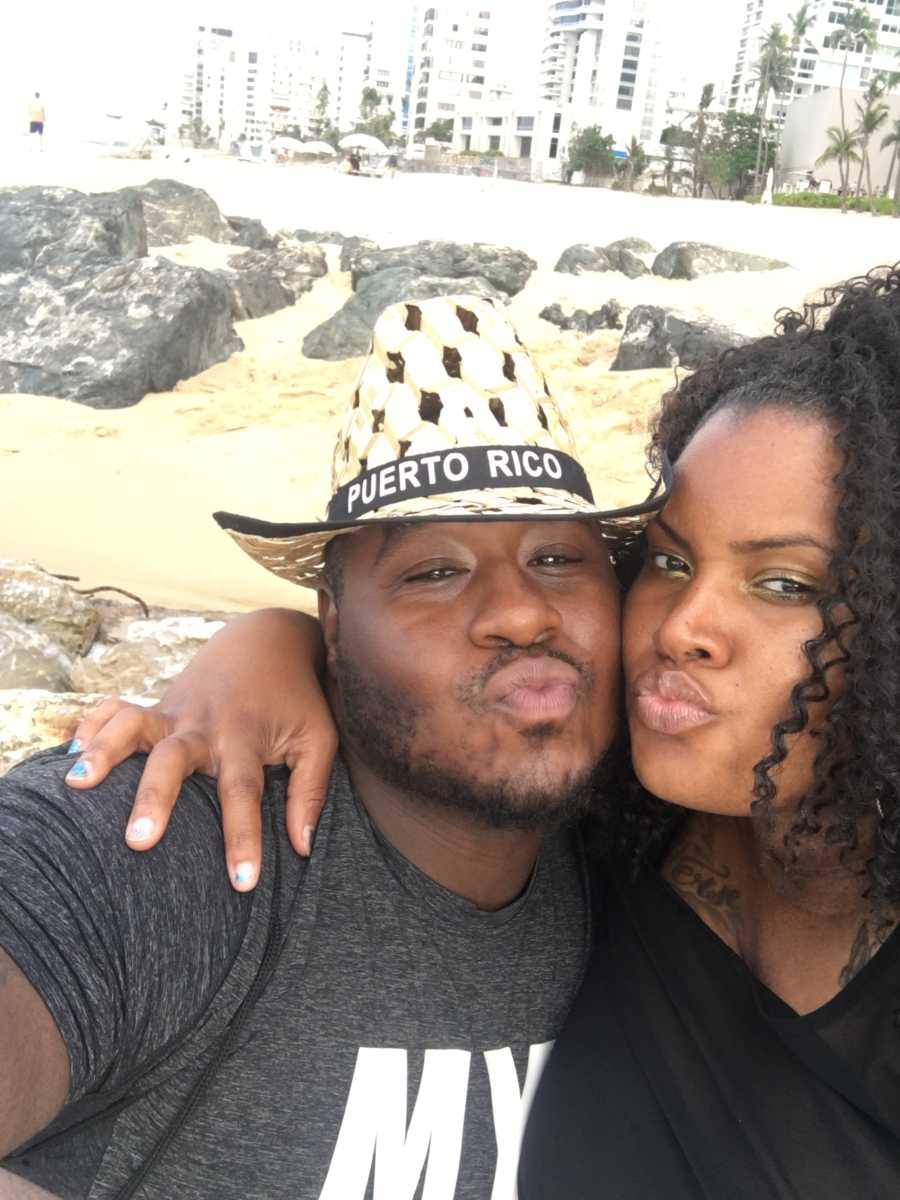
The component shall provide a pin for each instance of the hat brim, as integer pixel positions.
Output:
(296, 551)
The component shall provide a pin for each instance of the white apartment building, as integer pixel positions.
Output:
(818, 65)
(463, 50)
(604, 63)
(247, 84)
(348, 75)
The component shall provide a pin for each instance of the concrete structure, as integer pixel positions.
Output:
(805, 137)
(347, 76)
(516, 128)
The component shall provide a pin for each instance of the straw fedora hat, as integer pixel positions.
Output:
(452, 420)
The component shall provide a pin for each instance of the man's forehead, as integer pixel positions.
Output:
(477, 533)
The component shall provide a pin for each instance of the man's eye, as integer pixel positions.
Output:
(433, 575)
(667, 564)
(554, 560)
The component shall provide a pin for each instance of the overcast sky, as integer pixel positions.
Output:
(90, 55)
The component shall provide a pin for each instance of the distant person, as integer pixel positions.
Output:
(391, 169)
(354, 164)
(36, 118)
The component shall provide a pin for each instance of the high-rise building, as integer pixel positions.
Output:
(464, 52)
(606, 63)
(819, 61)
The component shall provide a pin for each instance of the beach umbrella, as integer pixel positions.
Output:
(283, 142)
(316, 148)
(363, 141)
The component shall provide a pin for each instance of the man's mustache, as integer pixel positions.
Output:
(471, 688)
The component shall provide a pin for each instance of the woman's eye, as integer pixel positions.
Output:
(667, 564)
(789, 589)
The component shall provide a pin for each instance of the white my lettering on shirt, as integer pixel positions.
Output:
(375, 1124)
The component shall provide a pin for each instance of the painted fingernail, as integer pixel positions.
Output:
(81, 770)
(74, 746)
(244, 873)
(308, 834)
(141, 829)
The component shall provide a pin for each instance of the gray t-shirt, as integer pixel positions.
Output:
(392, 1045)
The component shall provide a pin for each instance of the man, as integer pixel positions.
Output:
(372, 1021)
(36, 118)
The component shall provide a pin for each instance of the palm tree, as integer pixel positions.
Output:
(773, 72)
(635, 164)
(872, 115)
(841, 149)
(801, 23)
(893, 139)
(859, 28)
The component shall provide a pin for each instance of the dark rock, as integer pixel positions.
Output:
(38, 224)
(635, 244)
(607, 317)
(331, 237)
(506, 269)
(655, 337)
(255, 293)
(174, 212)
(106, 333)
(354, 248)
(627, 262)
(349, 332)
(262, 282)
(252, 233)
(690, 260)
(583, 257)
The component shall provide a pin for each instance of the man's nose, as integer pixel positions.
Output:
(513, 609)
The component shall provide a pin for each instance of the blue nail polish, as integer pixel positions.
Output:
(74, 746)
(79, 771)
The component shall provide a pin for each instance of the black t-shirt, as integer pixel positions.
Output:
(678, 1076)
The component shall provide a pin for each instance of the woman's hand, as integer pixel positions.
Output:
(250, 697)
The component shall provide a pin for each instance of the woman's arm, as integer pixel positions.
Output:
(250, 697)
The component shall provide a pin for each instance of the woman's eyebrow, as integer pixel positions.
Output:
(783, 542)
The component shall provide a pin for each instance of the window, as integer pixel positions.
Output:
(252, 56)
(467, 122)
(477, 62)
(628, 77)
(525, 147)
(481, 32)
(524, 123)
(484, 16)
(447, 108)
(626, 90)
(557, 122)
(493, 143)
(554, 147)
(623, 104)
(454, 45)
(495, 120)
(421, 106)
(478, 47)
(476, 79)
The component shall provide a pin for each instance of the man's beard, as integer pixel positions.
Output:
(380, 726)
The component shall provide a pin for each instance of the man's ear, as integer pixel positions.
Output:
(328, 619)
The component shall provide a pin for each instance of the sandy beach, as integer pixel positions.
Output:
(123, 497)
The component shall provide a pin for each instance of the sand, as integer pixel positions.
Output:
(123, 497)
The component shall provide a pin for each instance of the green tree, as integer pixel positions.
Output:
(320, 122)
(773, 73)
(591, 152)
(872, 116)
(857, 29)
(893, 139)
(730, 161)
(441, 131)
(699, 132)
(369, 104)
(635, 164)
(841, 149)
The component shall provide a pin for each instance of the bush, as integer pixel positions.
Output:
(830, 200)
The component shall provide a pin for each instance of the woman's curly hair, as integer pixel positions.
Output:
(838, 361)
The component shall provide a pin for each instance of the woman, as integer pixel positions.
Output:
(735, 1034)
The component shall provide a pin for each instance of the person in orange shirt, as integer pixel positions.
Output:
(36, 118)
